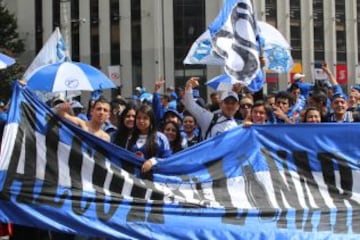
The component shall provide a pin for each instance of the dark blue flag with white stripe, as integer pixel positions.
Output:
(262, 182)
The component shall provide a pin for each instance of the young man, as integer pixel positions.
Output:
(100, 113)
(212, 124)
(281, 110)
(339, 106)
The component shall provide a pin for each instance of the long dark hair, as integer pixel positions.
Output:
(151, 145)
(123, 133)
(176, 144)
(308, 109)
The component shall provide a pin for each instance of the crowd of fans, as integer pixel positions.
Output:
(154, 126)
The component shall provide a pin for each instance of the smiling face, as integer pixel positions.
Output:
(170, 131)
(313, 116)
(259, 115)
(143, 122)
(189, 124)
(339, 105)
(129, 120)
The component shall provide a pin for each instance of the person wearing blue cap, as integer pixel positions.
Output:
(173, 100)
(212, 124)
(339, 106)
(356, 88)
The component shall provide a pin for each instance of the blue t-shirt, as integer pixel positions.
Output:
(163, 150)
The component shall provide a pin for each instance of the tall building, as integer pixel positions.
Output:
(150, 38)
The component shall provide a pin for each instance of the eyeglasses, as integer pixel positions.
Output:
(246, 105)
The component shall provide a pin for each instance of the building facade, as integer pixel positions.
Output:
(150, 38)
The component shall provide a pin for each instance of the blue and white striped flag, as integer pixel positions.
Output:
(253, 184)
(234, 33)
(231, 41)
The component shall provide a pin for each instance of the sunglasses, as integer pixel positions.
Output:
(246, 105)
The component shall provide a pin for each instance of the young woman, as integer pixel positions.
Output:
(190, 129)
(126, 124)
(260, 114)
(173, 134)
(312, 115)
(146, 142)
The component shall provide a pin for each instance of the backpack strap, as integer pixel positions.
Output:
(212, 123)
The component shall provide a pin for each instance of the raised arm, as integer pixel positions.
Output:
(156, 103)
(202, 115)
(63, 110)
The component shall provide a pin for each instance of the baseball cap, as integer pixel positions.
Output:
(356, 87)
(173, 112)
(298, 76)
(76, 104)
(57, 101)
(229, 94)
(339, 95)
(171, 88)
(173, 95)
(2, 104)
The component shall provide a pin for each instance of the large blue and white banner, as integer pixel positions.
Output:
(262, 182)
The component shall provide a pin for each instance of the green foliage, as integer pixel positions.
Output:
(12, 45)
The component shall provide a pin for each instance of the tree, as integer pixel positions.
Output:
(12, 45)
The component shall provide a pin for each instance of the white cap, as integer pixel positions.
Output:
(57, 101)
(229, 94)
(298, 76)
(76, 104)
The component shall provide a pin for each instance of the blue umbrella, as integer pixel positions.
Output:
(6, 61)
(68, 76)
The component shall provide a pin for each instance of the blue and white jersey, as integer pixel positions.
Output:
(163, 151)
(348, 117)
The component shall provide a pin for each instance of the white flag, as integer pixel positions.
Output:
(53, 51)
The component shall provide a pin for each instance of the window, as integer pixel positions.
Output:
(189, 24)
(94, 33)
(136, 42)
(56, 13)
(340, 31)
(271, 13)
(115, 32)
(295, 29)
(38, 26)
(75, 31)
(318, 13)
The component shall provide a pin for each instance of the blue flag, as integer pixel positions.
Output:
(268, 181)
